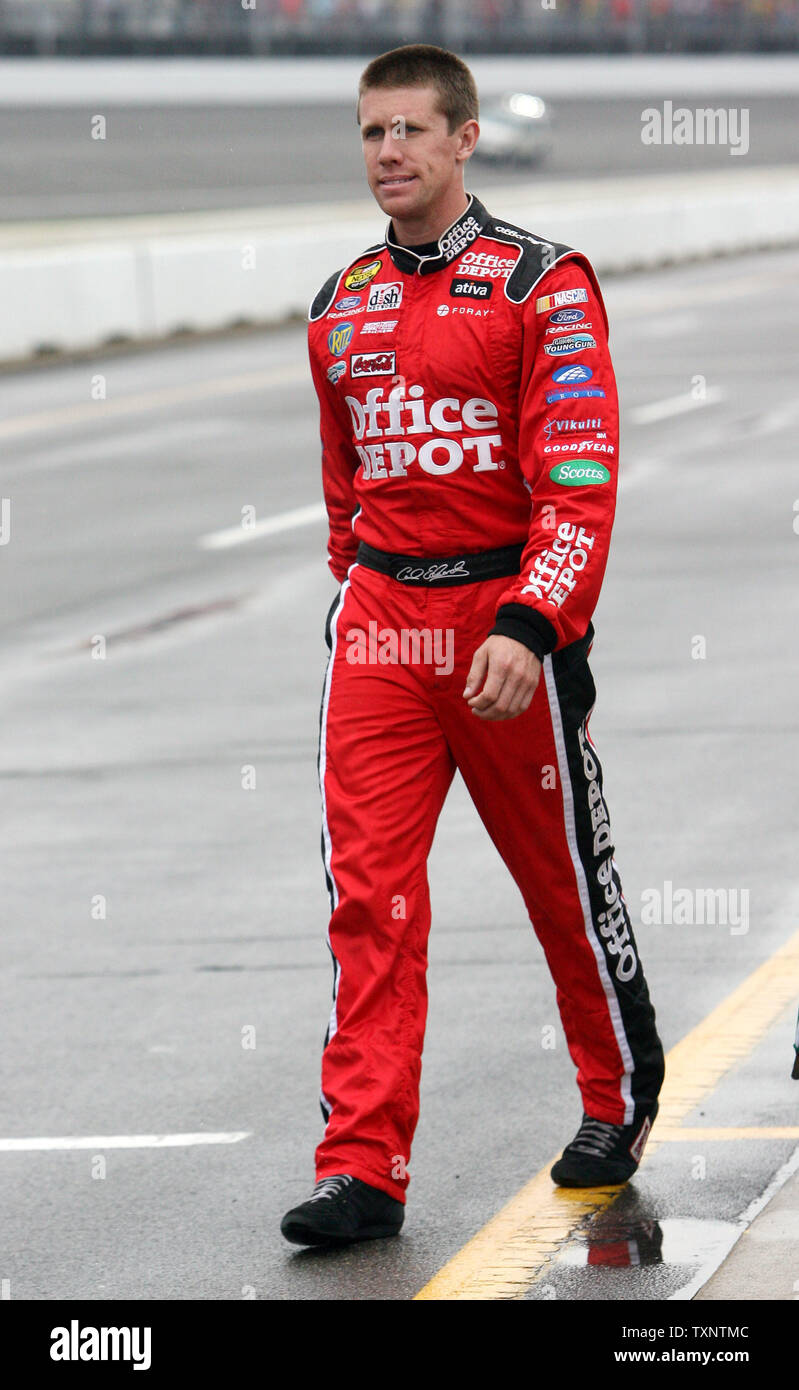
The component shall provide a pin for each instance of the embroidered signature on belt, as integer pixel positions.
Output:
(433, 572)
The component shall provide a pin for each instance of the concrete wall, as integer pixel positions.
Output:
(79, 284)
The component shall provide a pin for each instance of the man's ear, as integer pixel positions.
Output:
(468, 136)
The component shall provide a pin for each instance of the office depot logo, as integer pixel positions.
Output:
(390, 419)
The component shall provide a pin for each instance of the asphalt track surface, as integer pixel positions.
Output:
(167, 158)
(123, 782)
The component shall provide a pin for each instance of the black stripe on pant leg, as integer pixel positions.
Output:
(326, 1109)
(576, 694)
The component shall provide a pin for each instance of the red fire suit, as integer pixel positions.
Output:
(468, 405)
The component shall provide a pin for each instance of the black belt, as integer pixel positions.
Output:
(442, 571)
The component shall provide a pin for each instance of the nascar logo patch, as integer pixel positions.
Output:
(559, 298)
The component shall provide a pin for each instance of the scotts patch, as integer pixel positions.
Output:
(338, 339)
(471, 289)
(362, 275)
(579, 473)
(573, 342)
(373, 363)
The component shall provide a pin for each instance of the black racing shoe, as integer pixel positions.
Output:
(343, 1209)
(602, 1154)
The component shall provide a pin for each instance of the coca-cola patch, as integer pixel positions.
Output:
(373, 363)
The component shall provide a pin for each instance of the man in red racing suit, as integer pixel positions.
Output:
(469, 426)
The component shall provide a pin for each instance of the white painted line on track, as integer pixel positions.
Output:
(674, 405)
(270, 526)
(122, 1141)
(743, 1222)
(160, 398)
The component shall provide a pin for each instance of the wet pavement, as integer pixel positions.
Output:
(123, 778)
(689, 1212)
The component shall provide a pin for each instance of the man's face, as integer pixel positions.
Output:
(412, 161)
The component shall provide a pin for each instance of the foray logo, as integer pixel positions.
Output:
(76, 1343)
(701, 127)
(688, 907)
(408, 647)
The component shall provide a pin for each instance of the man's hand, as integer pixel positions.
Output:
(505, 673)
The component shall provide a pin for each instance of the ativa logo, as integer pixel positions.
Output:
(392, 418)
(476, 289)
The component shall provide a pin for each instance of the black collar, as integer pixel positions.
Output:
(452, 242)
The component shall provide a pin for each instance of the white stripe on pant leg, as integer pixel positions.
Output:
(585, 900)
(333, 1022)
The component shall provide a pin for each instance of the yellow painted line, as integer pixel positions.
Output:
(83, 412)
(504, 1258)
(684, 1134)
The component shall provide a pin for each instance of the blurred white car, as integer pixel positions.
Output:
(515, 128)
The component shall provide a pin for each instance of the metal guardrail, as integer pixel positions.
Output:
(361, 26)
